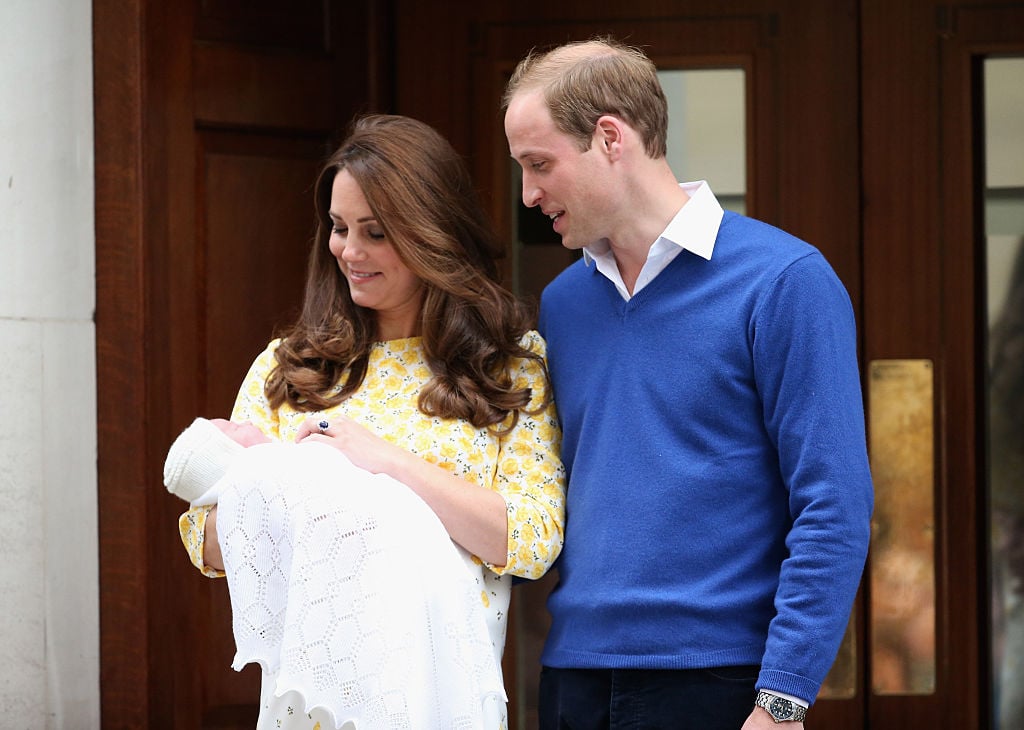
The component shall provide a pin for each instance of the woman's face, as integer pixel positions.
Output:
(377, 278)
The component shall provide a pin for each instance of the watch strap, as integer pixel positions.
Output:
(781, 709)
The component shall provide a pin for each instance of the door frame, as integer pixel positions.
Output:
(924, 296)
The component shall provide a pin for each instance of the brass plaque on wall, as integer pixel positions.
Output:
(902, 444)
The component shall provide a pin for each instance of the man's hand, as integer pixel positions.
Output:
(760, 720)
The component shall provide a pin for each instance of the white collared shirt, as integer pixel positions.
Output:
(694, 228)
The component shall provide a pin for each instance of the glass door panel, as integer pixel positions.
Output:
(1004, 244)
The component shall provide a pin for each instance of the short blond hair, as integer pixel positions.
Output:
(584, 80)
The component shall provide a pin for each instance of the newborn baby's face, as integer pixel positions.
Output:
(243, 433)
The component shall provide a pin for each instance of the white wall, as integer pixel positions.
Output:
(49, 616)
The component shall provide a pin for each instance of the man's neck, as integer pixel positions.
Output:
(653, 210)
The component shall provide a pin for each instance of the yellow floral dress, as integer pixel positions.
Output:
(522, 465)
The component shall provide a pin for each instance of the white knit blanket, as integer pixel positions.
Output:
(345, 585)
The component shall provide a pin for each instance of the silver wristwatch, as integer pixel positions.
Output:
(781, 709)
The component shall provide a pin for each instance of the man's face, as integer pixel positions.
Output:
(566, 183)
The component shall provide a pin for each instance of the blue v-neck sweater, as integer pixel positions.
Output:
(719, 495)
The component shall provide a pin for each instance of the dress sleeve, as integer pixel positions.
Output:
(531, 478)
(250, 405)
(192, 528)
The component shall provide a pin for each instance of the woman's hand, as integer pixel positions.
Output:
(364, 448)
(212, 557)
(474, 516)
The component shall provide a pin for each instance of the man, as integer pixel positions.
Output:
(704, 368)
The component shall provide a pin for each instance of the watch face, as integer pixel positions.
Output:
(781, 708)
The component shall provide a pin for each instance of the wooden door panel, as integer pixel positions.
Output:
(304, 27)
(257, 223)
(271, 94)
(267, 90)
(212, 117)
(254, 231)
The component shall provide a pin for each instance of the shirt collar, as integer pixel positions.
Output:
(694, 228)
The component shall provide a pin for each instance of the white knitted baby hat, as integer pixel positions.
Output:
(197, 460)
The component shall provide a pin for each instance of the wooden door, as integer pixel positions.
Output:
(212, 118)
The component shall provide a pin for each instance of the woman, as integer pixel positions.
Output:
(414, 362)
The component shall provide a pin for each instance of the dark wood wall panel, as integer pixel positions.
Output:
(120, 345)
(901, 130)
(902, 260)
(816, 137)
(304, 26)
(212, 119)
(259, 89)
(259, 223)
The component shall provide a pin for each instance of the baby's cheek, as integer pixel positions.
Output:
(249, 435)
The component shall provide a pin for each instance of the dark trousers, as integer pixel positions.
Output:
(646, 699)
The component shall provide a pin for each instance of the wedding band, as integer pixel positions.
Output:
(323, 425)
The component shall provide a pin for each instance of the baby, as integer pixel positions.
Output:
(202, 454)
(345, 587)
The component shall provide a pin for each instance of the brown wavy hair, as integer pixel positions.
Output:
(420, 192)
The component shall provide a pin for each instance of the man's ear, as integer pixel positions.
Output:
(609, 134)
